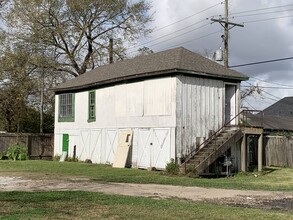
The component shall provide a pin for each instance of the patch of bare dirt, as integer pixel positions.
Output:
(244, 198)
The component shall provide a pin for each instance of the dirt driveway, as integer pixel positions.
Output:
(245, 198)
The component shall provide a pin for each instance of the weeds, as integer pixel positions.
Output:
(172, 167)
(17, 152)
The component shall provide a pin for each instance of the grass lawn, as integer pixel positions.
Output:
(276, 179)
(86, 205)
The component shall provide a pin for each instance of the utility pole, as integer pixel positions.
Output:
(226, 25)
(226, 36)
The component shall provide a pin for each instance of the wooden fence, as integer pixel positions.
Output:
(40, 146)
(279, 151)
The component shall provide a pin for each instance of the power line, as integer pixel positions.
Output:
(158, 38)
(275, 98)
(269, 87)
(249, 104)
(262, 62)
(278, 98)
(274, 83)
(261, 9)
(267, 19)
(185, 42)
(264, 13)
(166, 35)
(183, 19)
(161, 28)
(187, 32)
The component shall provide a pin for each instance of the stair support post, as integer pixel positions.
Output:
(259, 152)
(243, 154)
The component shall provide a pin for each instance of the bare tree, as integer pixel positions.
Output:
(76, 33)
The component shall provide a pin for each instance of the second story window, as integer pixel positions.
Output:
(92, 106)
(66, 107)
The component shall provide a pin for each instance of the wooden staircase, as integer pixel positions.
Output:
(211, 150)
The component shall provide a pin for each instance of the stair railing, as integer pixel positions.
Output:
(241, 121)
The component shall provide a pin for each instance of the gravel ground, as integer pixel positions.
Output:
(243, 198)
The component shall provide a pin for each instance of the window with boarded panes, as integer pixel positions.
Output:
(92, 106)
(66, 107)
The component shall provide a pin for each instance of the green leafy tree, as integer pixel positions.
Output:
(15, 86)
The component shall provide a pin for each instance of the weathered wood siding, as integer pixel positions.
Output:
(200, 111)
(147, 107)
(279, 151)
(40, 146)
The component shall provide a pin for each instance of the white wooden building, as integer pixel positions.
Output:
(168, 102)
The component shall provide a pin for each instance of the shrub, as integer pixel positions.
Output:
(17, 152)
(172, 167)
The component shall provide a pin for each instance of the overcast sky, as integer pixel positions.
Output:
(267, 34)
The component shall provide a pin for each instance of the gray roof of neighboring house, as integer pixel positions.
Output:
(178, 60)
(270, 122)
(282, 108)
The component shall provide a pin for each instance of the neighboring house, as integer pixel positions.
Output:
(270, 123)
(282, 108)
(169, 102)
(277, 123)
(277, 117)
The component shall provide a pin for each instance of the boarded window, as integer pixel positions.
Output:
(158, 97)
(129, 100)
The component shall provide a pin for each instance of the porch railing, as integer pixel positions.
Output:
(241, 121)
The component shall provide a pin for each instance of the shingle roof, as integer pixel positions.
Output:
(282, 108)
(271, 122)
(178, 60)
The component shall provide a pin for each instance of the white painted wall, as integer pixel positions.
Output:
(146, 106)
(169, 117)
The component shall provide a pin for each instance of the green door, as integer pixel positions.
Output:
(65, 142)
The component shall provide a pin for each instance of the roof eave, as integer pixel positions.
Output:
(238, 78)
(149, 74)
(111, 81)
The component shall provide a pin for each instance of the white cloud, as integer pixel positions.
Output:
(257, 41)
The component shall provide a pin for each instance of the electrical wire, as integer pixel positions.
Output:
(275, 98)
(261, 9)
(185, 42)
(190, 16)
(167, 35)
(267, 19)
(161, 28)
(264, 13)
(249, 104)
(185, 33)
(274, 83)
(270, 87)
(254, 21)
(262, 62)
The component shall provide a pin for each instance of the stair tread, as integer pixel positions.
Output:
(210, 150)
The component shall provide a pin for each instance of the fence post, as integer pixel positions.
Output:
(28, 145)
(74, 152)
